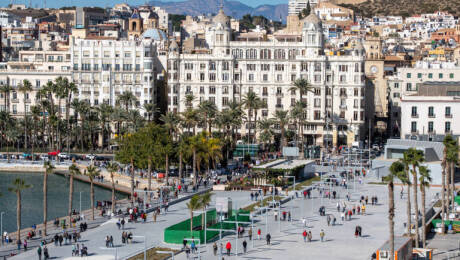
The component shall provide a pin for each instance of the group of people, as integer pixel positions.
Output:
(109, 241)
(126, 238)
(78, 250)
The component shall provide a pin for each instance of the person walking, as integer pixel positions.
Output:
(25, 245)
(310, 236)
(328, 220)
(214, 248)
(250, 232)
(245, 245)
(304, 234)
(18, 242)
(228, 246)
(45, 253)
(193, 247)
(276, 215)
(356, 231)
(258, 234)
(321, 235)
(39, 253)
(338, 206)
(184, 242)
(268, 237)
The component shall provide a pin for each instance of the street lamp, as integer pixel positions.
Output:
(167, 252)
(145, 245)
(80, 203)
(111, 248)
(1, 224)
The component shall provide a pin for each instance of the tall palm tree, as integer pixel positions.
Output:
(297, 113)
(18, 186)
(73, 171)
(190, 119)
(151, 109)
(282, 119)
(445, 170)
(35, 110)
(92, 172)
(48, 170)
(6, 89)
(170, 122)
(208, 110)
(128, 99)
(303, 86)
(266, 131)
(405, 180)
(452, 160)
(205, 201)
(250, 101)
(112, 168)
(25, 88)
(396, 171)
(189, 98)
(70, 89)
(415, 157)
(104, 112)
(425, 180)
(193, 205)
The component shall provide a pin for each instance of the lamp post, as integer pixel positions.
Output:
(145, 245)
(80, 202)
(1, 224)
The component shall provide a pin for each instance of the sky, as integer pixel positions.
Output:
(105, 3)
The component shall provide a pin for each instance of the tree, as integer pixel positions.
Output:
(282, 119)
(35, 110)
(25, 88)
(297, 113)
(396, 171)
(18, 186)
(266, 131)
(205, 201)
(6, 89)
(48, 170)
(405, 180)
(151, 109)
(70, 89)
(193, 205)
(415, 158)
(73, 171)
(112, 168)
(170, 122)
(127, 99)
(451, 160)
(104, 111)
(306, 11)
(130, 145)
(208, 110)
(251, 101)
(425, 180)
(92, 172)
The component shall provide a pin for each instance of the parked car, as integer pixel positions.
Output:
(44, 157)
(63, 156)
(90, 156)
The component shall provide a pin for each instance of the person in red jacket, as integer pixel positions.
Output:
(258, 234)
(304, 234)
(228, 247)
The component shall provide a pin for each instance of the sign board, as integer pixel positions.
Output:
(291, 151)
(223, 204)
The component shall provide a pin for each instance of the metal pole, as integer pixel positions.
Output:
(205, 224)
(252, 234)
(279, 215)
(1, 225)
(266, 219)
(145, 199)
(80, 203)
(145, 248)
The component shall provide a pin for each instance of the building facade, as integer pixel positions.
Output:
(229, 69)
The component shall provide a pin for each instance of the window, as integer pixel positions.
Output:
(409, 86)
(279, 77)
(225, 77)
(440, 75)
(225, 65)
(317, 66)
(317, 91)
(317, 78)
(317, 115)
(188, 66)
(447, 127)
(343, 68)
(251, 77)
(408, 75)
(279, 67)
(419, 75)
(317, 102)
(396, 95)
(396, 85)
(431, 111)
(212, 90)
(355, 115)
(264, 91)
(451, 75)
(188, 76)
(430, 75)
(430, 127)
(265, 67)
(414, 112)
(251, 67)
(413, 127)
(202, 66)
(224, 101)
(202, 77)
(356, 92)
(265, 77)
(212, 76)
(212, 65)
(448, 113)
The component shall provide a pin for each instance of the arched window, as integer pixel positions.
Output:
(356, 67)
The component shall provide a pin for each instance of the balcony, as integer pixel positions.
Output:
(448, 132)
(343, 94)
(279, 106)
(431, 115)
(264, 93)
(448, 115)
(414, 131)
(279, 94)
(343, 106)
(414, 115)
(15, 100)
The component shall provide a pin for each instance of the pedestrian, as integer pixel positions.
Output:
(25, 245)
(328, 220)
(258, 234)
(304, 234)
(356, 231)
(18, 242)
(289, 216)
(250, 232)
(214, 247)
(60, 240)
(276, 215)
(184, 242)
(245, 245)
(343, 216)
(193, 247)
(334, 221)
(228, 246)
(123, 223)
(304, 222)
(187, 252)
(321, 235)
(268, 238)
(111, 241)
(310, 236)
(39, 253)
(338, 206)
(155, 217)
(45, 253)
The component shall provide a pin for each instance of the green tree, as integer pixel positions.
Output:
(204, 203)
(282, 119)
(6, 89)
(92, 172)
(396, 171)
(128, 99)
(193, 205)
(25, 88)
(425, 180)
(104, 113)
(405, 180)
(73, 171)
(151, 109)
(452, 161)
(112, 168)
(49, 168)
(415, 158)
(251, 102)
(18, 186)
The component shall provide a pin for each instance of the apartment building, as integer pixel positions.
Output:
(296, 6)
(432, 113)
(229, 69)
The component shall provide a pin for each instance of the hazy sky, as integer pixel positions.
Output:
(104, 3)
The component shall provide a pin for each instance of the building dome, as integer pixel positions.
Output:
(173, 46)
(312, 19)
(135, 14)
(221, 18)
(155, 34)
(153, 15)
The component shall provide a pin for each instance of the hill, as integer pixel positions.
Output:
(233, 8)
(404, 8)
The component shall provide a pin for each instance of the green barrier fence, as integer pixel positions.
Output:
(176, 233)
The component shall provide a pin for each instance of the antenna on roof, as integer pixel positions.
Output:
(30, 3)
(222, 4)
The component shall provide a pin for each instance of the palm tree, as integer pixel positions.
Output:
(193, 205)
(405, 180)
(73, 171)
(250, 101)
(127, 99)
(445, 169)
(452, 160)
(189, 98)
(415, 157)
(25, 88)
(170, 122)
(282, 119)
(151, 109)
(112, 168)
(104, 112)
(18, 186)
(266, 131)
(396, 171)
(71, 89)
(35, 110)
(208, 110)
(92, 172)
(48, 170)
(297, 113)
(6, 89)
(303, 86)
(205, 201)
(425, 180)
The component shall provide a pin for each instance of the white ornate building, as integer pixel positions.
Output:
(229, 69)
